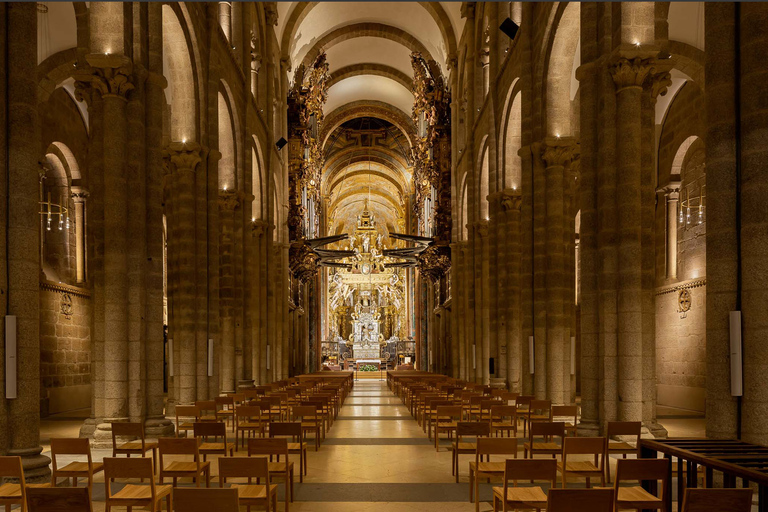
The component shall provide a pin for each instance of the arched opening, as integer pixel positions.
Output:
(177, 68)
(512, 164)
(482, 197)
(559, 73)
(227, 163)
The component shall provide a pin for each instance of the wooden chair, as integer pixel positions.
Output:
(284, 469)
(459, 447)
(204, 430)
(431, 412)
(73, 470)
(504, 419)
(580, 500)
(538, 410)
(189, 499)
(568, 414)
(250, 494)
(208, 410)
(474, 406)
(296, 445)
(130, 495)
(59, 499)
(485, 408)
(641, 470)
(446, 419)
(248, 419)
(478, 469)
(186, 411)
(14, 493)
(621, 428)
(176, 469)
(594, 446)
(506, 498)
(310, 421)
(717, 500)
(546, 431)
(135, 447)
(320, 411)
(522, 403)
(225, 407)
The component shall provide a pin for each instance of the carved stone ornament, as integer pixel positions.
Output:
(435, 262)
(107, 74)
(66, 306)
(182, 156)
(559, 151)
(229, 200)
(511, 199)
(303, 261)
(660, 84)
(631, 72)
(259, 227)
(683, 302)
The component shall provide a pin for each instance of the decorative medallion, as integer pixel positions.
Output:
(683, 302)
(66, 306)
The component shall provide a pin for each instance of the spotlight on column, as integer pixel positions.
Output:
(509, 27)
(281, 143)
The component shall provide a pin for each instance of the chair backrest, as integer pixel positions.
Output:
(503, 411)
(178, 446)
(546, 429)
(304, 411)
(623, 428)
(531, 469)
(71, 446)
(496, 446)
(187, 411)
(206, 429)
(508, 396)
(472, 429)
(206, 406)
(268, 446)
(523, 401)
(717, 500)
(643, 470)
(190, 499)
(127, 429)
(448, 411)
(565, 411)
(227, 402)
(585, 446)
(139, 467)
(580, 500)
(10, 467)
(248, 412)
(243, 467)
(59, 499)
(538, 406)
(285, 428)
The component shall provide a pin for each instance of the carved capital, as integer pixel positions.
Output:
(183, 156)
(482, 227)
(270, 9)
(511, 199)
(79, 194)
(229, 200)
(110, 75)
(560, 152)
(628, 73)
(259, 227)
(659, 84)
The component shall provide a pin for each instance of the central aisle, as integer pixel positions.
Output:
(376, 457)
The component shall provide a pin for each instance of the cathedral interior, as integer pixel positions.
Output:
(230, 219)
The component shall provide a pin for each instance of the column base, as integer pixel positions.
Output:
(655, 430)
(245, 384)
(498, 383)
(588, 429)
(36, 466)
(159, 426)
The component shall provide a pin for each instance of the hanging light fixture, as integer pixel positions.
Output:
(51, 213)
(692, 208)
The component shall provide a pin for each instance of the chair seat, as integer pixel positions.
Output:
(636, 497)
(620, 447)
(279, 467)
(136, 446)
(178, 466)
(465, 446)
(488, 467)
(254, 492)
(309, 424)
(539, 417)
(448, 424)
(13, 491)
(503, 424)
(216, 447)
(542, 447)
(295, 447)
(186, 426)
(228, 412)
(75, 468)
(141, 492)
(250, 426)
(207, 418)
(532, 497)
(581, 467)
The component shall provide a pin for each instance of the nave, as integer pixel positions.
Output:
(375, 456)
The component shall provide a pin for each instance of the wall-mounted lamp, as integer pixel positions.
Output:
(509, 27)
(280, 144)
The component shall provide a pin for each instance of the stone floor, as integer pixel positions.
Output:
(375, 457)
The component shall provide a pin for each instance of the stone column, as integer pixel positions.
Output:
(23, 253)
(557, 155)
(482, 299)
(511, 202)
(673, 195)
(184, 158)
(629, 76)
(79, 196)
(225, 19)
(228, 202)
(255, 67)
